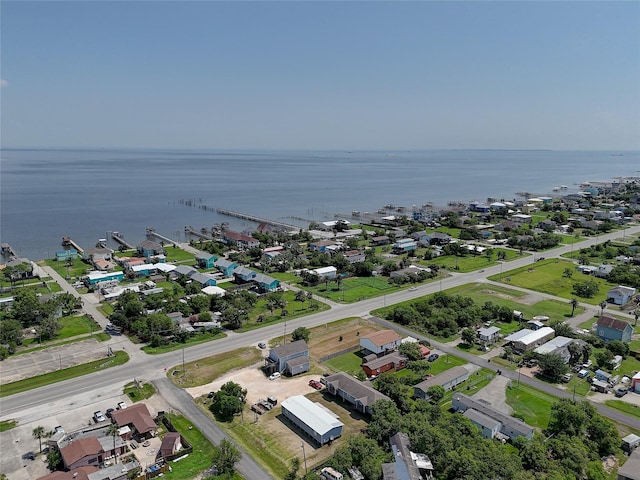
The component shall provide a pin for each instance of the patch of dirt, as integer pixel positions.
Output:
(326, 340)
(528, 299)
(610, 464)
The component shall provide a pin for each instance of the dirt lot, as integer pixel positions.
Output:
(528, 299)
(326, 340)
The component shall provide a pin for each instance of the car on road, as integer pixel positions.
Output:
(99, 417)
(262, 345)
(433, 357)
(274, 376)
(413, 289)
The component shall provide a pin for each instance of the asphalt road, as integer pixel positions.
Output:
(152, 367)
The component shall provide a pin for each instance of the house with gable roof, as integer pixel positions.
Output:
(609, 328)
(360, 395)
(137, 418)
(226, 267)
(290, 358)
(148, 248)
(380, 342)
(620, 295)
(205, 260)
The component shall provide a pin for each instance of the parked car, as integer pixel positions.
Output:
(583, 373)
(121, 405)
(262, 345)
(566, 378)
(274, 376)
(621, 391)
(433, 357)
(99, 417)
(315, 384)
(109, 412)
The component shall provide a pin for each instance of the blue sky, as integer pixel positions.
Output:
(321, 75)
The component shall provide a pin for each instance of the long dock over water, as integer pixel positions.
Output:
(253, 218)
(68, 242)
(195, 233)
(8, 250)
(151, 232)
(118, 238)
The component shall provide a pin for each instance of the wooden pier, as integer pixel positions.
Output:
(8, 250)
(68, 242)
(151, 232)
(253, 218)
(118, 238)
(191, 231)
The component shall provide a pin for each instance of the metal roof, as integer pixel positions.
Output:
(311, 414)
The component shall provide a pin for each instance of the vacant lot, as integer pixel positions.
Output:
(339, 336)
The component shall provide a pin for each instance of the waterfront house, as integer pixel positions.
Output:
(239, 240)
(226, 267)
(609, 328)
(334, 225)
(290, 358)
(360, 395)
(148, 248)
(266, 283)
(205, 260)
(373, 365)
(99, 253)
(380, 342)
(448, 380)
(63, 255)
(620, 295)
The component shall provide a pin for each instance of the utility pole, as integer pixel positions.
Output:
(183, 369)
(304, 455)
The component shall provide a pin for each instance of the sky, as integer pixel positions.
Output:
(321, 75)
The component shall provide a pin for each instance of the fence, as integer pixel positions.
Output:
(353, 348)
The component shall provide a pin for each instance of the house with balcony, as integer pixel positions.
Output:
(226, 267)
(243, 275)
(289, 358)
(239, 240)
(148, 248)
(205, 260)
(404, 245)
(266, 283)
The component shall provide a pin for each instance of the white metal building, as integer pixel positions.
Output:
(312, 418)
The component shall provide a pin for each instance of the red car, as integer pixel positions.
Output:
(315, 384)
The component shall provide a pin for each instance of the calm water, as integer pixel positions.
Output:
(83, 193)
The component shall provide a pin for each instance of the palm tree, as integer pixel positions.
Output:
(39, 433)
(113, 431)
(574, 305)
(603, 305)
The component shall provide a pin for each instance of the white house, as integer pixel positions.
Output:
(488, 335)
(620, 295)
(380, 342)
(326, 272)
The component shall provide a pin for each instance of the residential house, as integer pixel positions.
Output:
(95, 278)
(604, 270)
(521, 218)
(80, 473)
(322, 245)
(214, 290)
(25, 270)
(243, 275)
(185, 270)
(205, 260)
(171, 444)
(558, 346)
(148, 248)
(334, 225)
(361, 396)
(354, 256)
(525, 339)
(266, 283)
(326, 272)
(204, 280)
(439, 238)
(373, 365)
(137, 418)
(226, 267)
(411, 270)
(380, 342)
(313, 419)
(620, 295)
(90, 449)
(64, 255)
(488, 335)
(290, 358)
(448, 380)
(631, 468)
(380, 240)
(407, 465)
(239, 240)
(491, 422)
(99, 253)
(609, 328)
(404, 245)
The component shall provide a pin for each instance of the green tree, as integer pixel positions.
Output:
(411, 350)
(226, 457)
(300, 333)
(567, 418)
(468, 336)
(112, 430)
(603, 359)
(39, 433)
(435, 393)
(25, 308)
(552, 365)
(587, 289)
(618, 348)
(48, 328)
(11, 332)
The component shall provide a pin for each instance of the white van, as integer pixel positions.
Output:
(274, 376)
(331, 474)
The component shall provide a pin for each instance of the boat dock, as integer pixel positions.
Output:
(118, 238)
(253, 218)
(68, 242)
(151, 232)
(191, 231)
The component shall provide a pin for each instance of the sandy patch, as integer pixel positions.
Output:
(258, 385)
(495, 394)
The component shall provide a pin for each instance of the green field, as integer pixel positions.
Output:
(354, 289)
(621, 405)
(531, 404)
(139, 392)
(470, 262)
(547, 277)
(348, 363)
(7, 425)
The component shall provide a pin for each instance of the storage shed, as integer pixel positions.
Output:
(313, 419)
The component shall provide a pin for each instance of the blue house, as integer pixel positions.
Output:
(148, 248)
(225, 266)
(204, 280)
(62, 255)
(93, 278)
(608, 328)
(243, 274)
(404, 245)
(266, 283)
(290, 358)
(205, 260)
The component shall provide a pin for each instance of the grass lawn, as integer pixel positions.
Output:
(76, 325)
(206, 370)
(532, 404)
(106, 309)
(135, 394)
(203, 451)
(193, 340)
(628, 408)
(445, 362)
(175, 254)
(354, 289)
(64, 374)
(470, 262)
(547, 277)
(348, 363)
(569, 239)
(7, 425)
(76, 268)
